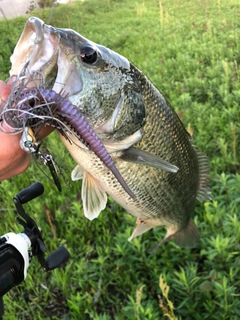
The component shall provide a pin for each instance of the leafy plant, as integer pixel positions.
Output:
(192, 54)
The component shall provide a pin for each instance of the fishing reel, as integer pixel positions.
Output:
(16, 250)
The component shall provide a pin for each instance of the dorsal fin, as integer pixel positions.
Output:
(204, 191)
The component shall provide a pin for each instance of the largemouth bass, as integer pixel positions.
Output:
(145, 137)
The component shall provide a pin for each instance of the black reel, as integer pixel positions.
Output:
(16, 250)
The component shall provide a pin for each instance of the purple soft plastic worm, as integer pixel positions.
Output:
(73, 117)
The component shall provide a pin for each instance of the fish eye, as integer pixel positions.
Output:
(88, 55)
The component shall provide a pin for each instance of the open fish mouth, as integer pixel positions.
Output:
(36, 52)
(39, 52)
(34, 68)
(40, 61)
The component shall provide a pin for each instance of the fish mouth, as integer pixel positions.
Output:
(36, 53)
(40, 57)
(41, 60)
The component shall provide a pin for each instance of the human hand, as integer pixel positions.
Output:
(13, 160)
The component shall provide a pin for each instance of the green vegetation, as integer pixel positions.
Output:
(191, 52)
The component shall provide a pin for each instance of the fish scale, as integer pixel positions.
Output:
(150, 147)
(164, 136)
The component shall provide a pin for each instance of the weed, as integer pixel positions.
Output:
(192, 54)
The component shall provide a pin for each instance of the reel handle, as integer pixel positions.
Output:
(35, 190)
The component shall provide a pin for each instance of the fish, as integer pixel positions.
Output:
(146, 139)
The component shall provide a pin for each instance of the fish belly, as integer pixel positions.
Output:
(157, 201)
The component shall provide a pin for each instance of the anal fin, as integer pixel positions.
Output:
(141, 227)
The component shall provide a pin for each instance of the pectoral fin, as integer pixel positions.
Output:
(147, 159)
(93, 196)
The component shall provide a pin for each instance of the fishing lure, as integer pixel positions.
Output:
(30, 145)
(35, 105)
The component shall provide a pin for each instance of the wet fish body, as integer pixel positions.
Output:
(146, 139)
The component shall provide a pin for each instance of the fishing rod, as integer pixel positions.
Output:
(16, 250)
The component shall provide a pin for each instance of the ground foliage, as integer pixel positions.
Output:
(191, 53)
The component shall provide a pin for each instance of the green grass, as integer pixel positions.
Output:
(192, 54)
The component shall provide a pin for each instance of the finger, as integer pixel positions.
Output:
(5, 89)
